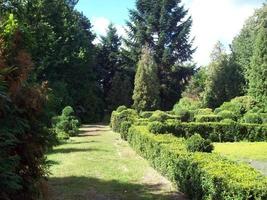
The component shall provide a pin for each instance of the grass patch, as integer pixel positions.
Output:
(243, 150)
(99, 165)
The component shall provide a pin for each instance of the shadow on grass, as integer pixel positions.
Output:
(87, 188)
(74, 150)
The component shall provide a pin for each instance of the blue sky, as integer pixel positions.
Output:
(213, 20)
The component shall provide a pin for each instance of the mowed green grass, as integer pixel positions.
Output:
(100, 165)
(243, 150)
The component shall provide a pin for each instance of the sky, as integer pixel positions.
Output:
(213, 20)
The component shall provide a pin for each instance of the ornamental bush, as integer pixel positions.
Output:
(196, 143)
(161, 116)
(157, 127)
(66, 125)
(226, 114)
(208, 118)
(252, 118)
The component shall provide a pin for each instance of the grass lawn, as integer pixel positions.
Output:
(98, 165)
(254, 153)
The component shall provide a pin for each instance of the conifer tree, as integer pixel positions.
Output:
(165, 26)
(258, 70)
(146, 90)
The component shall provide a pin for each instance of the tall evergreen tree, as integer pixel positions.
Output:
(258, 70)
(146, 87)
(224, 80)
(165, 27)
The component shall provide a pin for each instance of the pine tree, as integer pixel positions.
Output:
(165, 27)
(258, 70)
(146, 90)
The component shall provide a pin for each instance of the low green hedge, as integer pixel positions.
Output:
(200, 175)
(217, 132)
(208, 118)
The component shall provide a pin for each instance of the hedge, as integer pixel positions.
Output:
(200, 175)
(216, 131)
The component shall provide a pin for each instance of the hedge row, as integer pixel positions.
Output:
(217, 132)
(200, 175)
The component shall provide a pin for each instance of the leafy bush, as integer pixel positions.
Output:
(228, 121)
(208, 118)
(218, 131)
(185, 115)
(124, 129)
(117, 118)
(226, 114)
(200, 175)
(197, 143)
(252, 118)
(204, 111)
(161, 116)
(157, 127)
(239, 105)
(186, 103)
(66, 125)
(263, 117)
(121, 108)
(146, 114)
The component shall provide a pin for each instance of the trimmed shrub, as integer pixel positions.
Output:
(228, 121)
(197, 143)
(218, 131)
(204, 111)
(161, 116)
(226, 114)
(157, 127)
(117, 118)
(200, 175)
(121, 108)
(186, 103)
(263, 117)
(252, 118)
(184, 115)
(66, 125)
(146, 114)
(208, 118)
(124, 129)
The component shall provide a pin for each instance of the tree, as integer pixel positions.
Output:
(146, 87)
(257, 73)
(243, 44)
(224, 78)
(164, 26)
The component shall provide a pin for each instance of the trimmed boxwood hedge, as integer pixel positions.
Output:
(200, 175)
(218, 131)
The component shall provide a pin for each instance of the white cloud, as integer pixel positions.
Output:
(100, 26)
(215, 20)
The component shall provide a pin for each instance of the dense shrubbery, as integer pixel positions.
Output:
(252, 118)
(161, 116)
(121, 115)
(200, 175)
(66, 125)
(208, 118)
(226, 114)
(196, 143)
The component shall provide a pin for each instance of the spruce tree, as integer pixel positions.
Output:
(165, 26)
(258, 70)
(146, 90)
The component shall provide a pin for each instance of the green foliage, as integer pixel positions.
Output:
(165, 27)
(66, 125)
(161, 116)
(257, 72)
(124, 128)
(224, 81)
(197, 174)
(146, 90)
(204, 111)
(186, 103)
(252, 118)
(208, 118)
(239, 106)
(228, 121)
(121, 108)
(146, 114)
(157, 127)
(117, 118)
(198, 144)
(226, 114)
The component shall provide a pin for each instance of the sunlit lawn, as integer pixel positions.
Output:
(103, 167)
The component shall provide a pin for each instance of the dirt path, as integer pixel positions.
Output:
(98, 165)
